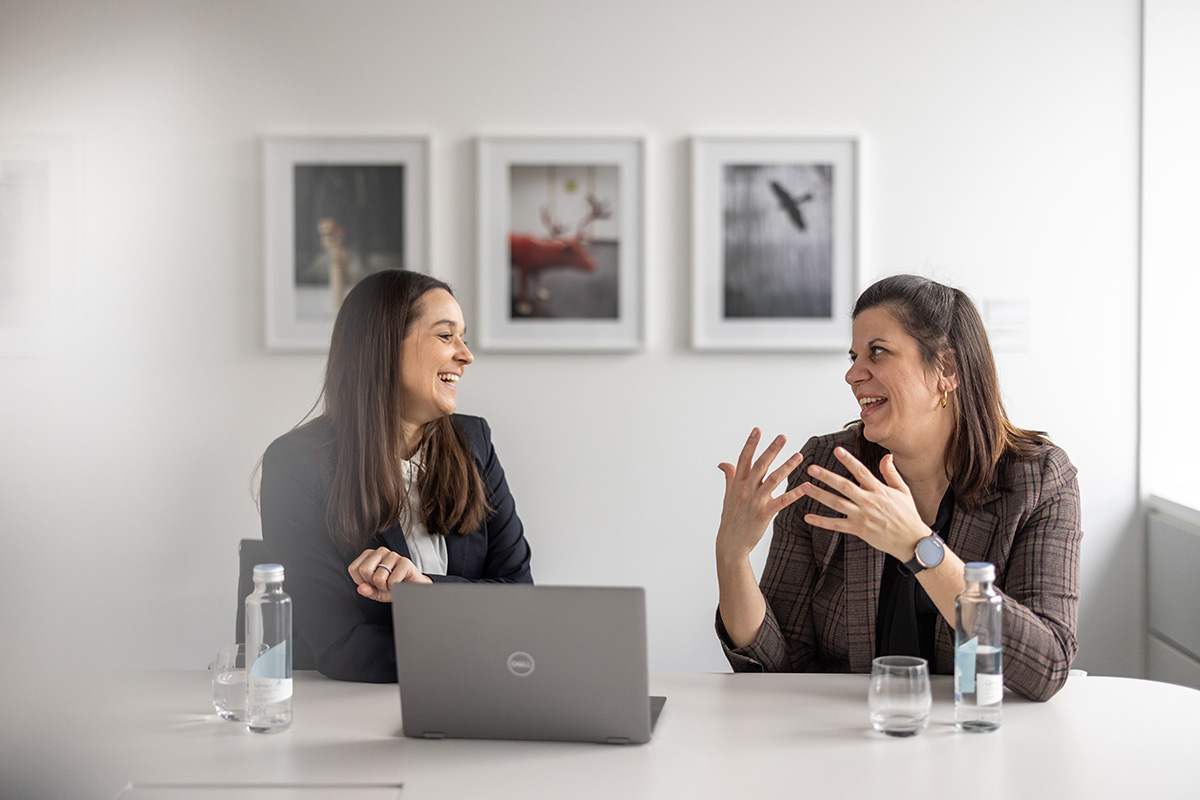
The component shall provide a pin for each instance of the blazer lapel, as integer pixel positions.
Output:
(393, 539)
(969, 537)
(864, 570)
(457, 553)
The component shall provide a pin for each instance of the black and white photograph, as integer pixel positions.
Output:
(778, 259)
(560, 244)
(337, 211)
(773, 242)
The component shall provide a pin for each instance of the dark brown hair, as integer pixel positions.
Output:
(946, 325)
(363, 409)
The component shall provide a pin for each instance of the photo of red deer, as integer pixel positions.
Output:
(563, 241)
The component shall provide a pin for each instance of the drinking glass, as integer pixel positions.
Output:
(898, 698)
(229, 682)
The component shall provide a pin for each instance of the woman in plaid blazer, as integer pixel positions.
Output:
(933, 449)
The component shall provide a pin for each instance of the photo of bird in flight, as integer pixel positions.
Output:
(791, 204)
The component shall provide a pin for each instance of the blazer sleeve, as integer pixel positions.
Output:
(350, 636)
(1041, 584)
(787, 640)
(506, 555)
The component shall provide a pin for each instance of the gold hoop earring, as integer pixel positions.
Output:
(944, 396)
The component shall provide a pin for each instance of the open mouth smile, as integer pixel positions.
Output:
(870, 405)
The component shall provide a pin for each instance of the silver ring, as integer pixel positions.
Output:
(384, 566)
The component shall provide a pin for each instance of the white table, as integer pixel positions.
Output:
(766, 736)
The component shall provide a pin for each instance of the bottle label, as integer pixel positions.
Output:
(990, 689)
(964, 666)
(270, 678)
(265, 691)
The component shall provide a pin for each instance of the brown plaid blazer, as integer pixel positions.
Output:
(822, 587)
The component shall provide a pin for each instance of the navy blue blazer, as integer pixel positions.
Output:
(350, 636)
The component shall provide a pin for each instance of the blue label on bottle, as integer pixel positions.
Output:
(964, 666)
(271, 664)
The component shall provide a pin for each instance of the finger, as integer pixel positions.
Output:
(856, 467)
(785, 469)
(839, 483)
(371, 593)
(356, 566)
(828, 499)
(727, 469)
(887, 468)
(406, 572)
(764, 461)
(381, 576)
(839, 524)
(370, 562)
(787, 498)
(743, 462)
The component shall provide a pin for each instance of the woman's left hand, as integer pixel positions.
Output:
(883, 515)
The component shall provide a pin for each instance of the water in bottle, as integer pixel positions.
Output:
(269, 667)
(978, 668)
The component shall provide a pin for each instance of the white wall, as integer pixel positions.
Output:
(999, 152)
(1170, 248)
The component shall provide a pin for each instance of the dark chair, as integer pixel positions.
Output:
(251, 552)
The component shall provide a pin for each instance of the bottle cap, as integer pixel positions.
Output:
(975, 571)
(268, 572)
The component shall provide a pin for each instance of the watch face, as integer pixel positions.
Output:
(930, 552)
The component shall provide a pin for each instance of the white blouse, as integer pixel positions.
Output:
(425, 550)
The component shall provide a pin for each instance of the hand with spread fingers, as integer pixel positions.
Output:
(749, 504)
(883, 515)
(376, 570)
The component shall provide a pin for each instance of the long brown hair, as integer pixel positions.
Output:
(946, 324)
(363, 409)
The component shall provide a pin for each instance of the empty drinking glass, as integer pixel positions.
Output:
(899, 698)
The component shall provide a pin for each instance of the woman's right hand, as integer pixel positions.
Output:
(749, 505)
(376, 570)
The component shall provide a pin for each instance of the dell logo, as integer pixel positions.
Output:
(521, 664)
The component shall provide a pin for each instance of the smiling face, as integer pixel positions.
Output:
(433, 358)
(899, 395)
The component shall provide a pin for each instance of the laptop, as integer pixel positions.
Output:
(504, 661)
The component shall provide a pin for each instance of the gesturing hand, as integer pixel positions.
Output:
(749, 505)
(376, 570)
(883, 515)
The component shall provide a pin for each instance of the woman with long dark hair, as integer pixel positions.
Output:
(874, 528)
(388, 484)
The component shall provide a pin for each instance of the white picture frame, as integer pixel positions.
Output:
(774, 250)
(38, 202)
(561, 243)
(337, 209)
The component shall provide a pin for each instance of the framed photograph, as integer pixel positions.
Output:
(37, 221)
(336, 211)
(773, 243)
(560, 244)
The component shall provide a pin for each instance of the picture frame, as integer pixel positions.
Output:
(774, 250)
(561, 243)
(336, 210)
(38, 198)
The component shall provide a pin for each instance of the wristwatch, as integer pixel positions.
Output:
(930, 552)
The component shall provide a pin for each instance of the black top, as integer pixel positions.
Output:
(907, 618)
(350, 635)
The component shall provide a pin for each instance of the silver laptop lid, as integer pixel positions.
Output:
(492, 661)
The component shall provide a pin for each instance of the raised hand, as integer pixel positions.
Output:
(883, 515)
(749, 504)
(376, 570)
